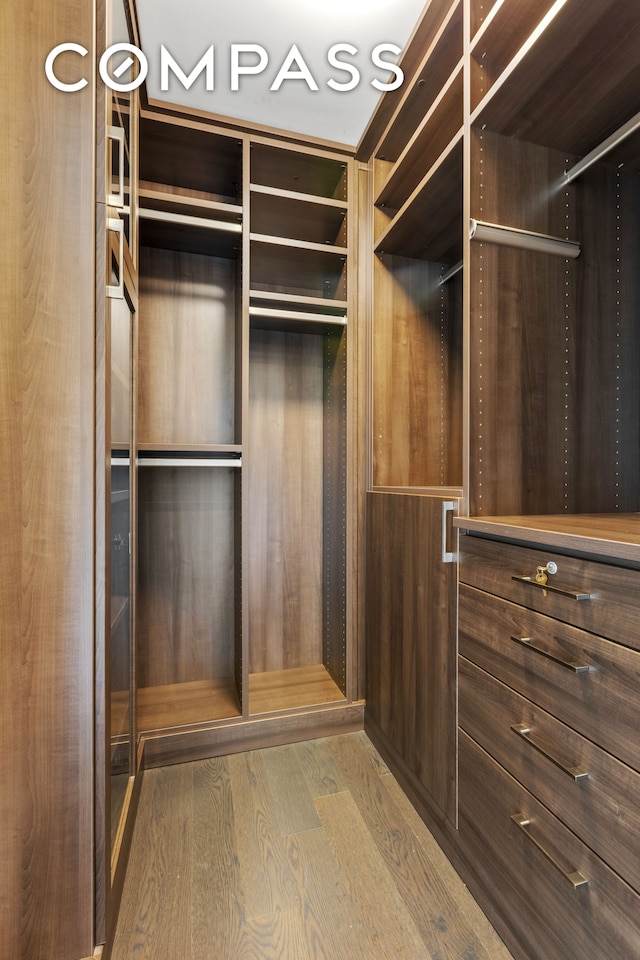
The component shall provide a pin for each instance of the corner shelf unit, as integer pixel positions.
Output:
(243, 387)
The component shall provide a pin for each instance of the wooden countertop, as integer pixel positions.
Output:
(606, 535)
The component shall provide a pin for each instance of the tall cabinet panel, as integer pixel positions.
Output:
(47, 388)
(416, 419)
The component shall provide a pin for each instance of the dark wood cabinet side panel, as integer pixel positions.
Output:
(47, 388)
(411, 652)
(283, 512)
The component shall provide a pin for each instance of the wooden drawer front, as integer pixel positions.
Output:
(551, 918)
(591, 792)
(602, 703)
(613, 607)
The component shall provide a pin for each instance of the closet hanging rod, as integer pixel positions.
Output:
(450, 274)
(188, 462)
(605, 147)
(524, 239)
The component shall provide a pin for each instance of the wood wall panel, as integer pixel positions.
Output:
(187, 337)
(411, 649)
(284, 458)
(46, 491)
(186, 605)
(417, 369)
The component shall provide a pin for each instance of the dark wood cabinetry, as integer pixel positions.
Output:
(245, 380)
(503, 364)
(411, 659)
(548, 775)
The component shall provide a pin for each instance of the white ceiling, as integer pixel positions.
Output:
(188, 27)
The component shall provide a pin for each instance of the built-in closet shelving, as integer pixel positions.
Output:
(504, 359)
(242, 427)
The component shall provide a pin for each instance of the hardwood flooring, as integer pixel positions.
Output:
(303, 852)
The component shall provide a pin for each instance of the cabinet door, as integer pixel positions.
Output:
(411, 592)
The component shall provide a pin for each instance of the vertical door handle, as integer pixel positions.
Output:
(116, 290)
(448, 506)
(117, 199)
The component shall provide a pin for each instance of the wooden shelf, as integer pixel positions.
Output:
(182, 704)
(184, 233)
(438, 64)
(290, 689)
(498, 39)
(284, 301)
(298, 216)
(429, 225)
(553, 92)
(304, 270)
(442, 124)
(294, 171)
(298, 321)
(162, 197)
(188, 156)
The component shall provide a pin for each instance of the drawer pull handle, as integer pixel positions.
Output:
(575, 878)
(547, 588)
(576, 773)
(572, 665)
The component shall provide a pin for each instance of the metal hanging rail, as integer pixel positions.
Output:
(605, 147)
(524, 239)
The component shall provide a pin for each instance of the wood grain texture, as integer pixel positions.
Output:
(613, 536)
(47, 389)
(411, 657)
(417, 366)
(600, 809)
(543, 99)
(258, 869)
(284, 508)
(292, 688)
(186, 610)
(550, 919)
(338, 482)
(612, 610)
(601, 703)
(186, 348)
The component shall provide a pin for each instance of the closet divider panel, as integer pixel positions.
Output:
(335, 507)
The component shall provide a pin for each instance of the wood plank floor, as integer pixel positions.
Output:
(303, 852)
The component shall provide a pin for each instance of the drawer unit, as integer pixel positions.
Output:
(583, 785)
(589, 682)
(558, 897)
(549, 757)
(599, 597)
